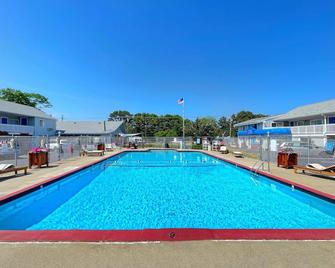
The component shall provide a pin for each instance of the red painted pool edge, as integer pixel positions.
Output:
(183, 234)
(173, 234)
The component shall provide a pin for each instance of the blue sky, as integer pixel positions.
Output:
(93, 57)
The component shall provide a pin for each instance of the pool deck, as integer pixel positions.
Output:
(10, 184)
(323, 184)
(166, 254)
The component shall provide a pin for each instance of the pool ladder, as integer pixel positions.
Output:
(260, 165)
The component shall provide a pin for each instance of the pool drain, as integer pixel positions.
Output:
(172, 235)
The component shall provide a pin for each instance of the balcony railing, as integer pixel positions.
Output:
(17, 129)
(313, 130)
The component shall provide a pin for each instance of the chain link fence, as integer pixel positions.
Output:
(266, 148)
(162, 142)
(14, 149)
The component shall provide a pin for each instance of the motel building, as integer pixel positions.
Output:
(23, 120)
(313, 122)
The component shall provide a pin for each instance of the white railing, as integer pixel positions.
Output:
(17, 129)
(330, 129)
(313, 130)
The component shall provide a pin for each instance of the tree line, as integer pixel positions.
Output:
(149, 124)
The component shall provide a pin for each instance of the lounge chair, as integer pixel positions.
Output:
(316, 169)
(109, 147)
(224, 150)
(7, 168)
(238, 154)
(93, 152)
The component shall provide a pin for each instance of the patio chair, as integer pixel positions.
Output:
(316, 169)
(109, 147)
(224, 150)
(7, 168)
(238, 154)
(93, 152)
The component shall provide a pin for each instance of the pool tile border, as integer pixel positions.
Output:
(173, 234)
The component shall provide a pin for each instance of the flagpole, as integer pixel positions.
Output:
(184, 124)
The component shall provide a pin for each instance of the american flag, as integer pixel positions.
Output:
(181, 101)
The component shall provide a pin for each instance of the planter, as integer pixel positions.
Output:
(38, 159)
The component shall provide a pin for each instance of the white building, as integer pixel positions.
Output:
(316, 120)
(313, 120)
(90, 128)
(257, 123)
(21, 119)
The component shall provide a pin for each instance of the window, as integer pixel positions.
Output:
(13, 121)
(316, 122)
(24, 121)
(332, 120)
(4, 120)
(41, 123)
(274, 125)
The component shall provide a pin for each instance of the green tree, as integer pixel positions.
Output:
(241, 117)
(31, 99)
(225, 125)
(166, 133)
(189, 128)
(171, 122)
(206, 126)
(119, 115)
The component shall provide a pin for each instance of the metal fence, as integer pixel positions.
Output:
(266, 148)
(15, 149)
(163, 142)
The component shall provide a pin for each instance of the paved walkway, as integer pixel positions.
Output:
(207, 254)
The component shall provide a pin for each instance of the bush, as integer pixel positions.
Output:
(197, 146)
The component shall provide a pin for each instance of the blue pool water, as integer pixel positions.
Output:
(165, 189)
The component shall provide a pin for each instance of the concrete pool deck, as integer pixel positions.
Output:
(323, 184)
(166, 254)
(10, 184)
(239, 254)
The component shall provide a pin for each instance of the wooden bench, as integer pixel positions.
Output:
(15, 170)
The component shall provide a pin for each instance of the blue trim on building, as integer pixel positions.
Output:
(264, 132)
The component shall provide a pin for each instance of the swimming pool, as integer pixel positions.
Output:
(166, 190)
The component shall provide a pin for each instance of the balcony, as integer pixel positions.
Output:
(313, 130)
(17, 129)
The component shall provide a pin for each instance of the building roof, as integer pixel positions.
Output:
(320, 108)
(88, 127)
(256, 121)
(20, 109)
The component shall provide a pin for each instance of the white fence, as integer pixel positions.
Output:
(10, 128)
(309, 149)
(15, 149)
(313, 130)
